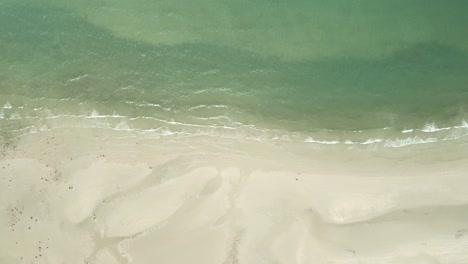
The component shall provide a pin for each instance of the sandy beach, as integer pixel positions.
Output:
(233, 132)
(99, 196)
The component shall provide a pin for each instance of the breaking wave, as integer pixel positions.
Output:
(36, 119)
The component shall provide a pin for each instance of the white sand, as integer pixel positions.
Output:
(92, 196)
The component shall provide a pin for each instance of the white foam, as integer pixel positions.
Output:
(372, 141)
(7, 106)
(326, 142)
(173, 127)
(78, 78)
(397, 143)
(91, 116)
(130, 87)
(173, 122)
(212, 118)
(144, 104)
(167, 132)
(123, 126)
(207, 107)
(227, 132)
(432, 127)
(463, 124)
(94, 113)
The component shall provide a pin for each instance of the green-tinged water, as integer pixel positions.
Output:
(287, 69)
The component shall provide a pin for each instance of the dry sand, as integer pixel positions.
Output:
(94, 196)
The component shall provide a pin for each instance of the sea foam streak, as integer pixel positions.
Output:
(7, 105)
(121, 122)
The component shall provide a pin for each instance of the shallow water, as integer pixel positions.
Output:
(301, 68)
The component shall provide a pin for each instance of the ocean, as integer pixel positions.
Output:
(315, 71)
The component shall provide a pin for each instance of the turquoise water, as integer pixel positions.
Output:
(314, 71)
